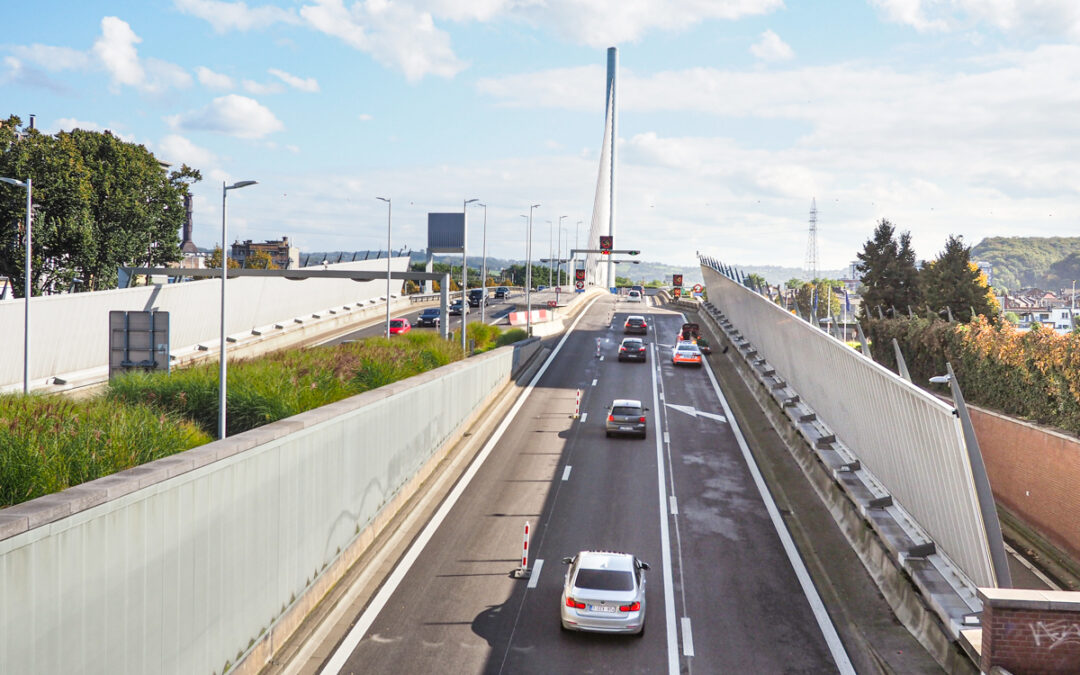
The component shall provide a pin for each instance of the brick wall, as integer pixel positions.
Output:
(1030, 632)
(1035, 473)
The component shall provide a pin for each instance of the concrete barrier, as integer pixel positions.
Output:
(69, 334)
(187, 564)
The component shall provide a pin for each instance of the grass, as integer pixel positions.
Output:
(50, 443)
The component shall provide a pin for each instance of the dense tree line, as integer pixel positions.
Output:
(893, 285)
(1050, 263)
(99, 203)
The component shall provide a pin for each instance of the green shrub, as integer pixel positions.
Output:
(484, 335)
(510, 337)
(50, 443)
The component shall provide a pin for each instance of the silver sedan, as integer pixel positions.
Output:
(604, 592)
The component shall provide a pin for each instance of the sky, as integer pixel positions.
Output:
(947, 117)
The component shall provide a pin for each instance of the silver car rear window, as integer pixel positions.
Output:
(605, 580)
(625, 410)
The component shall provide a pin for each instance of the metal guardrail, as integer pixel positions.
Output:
(909, 440)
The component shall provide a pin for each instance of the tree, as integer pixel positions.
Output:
(259, 260)
(213, 261)
(755, 281)
(889, 276)
(99, 203)
(953, 281)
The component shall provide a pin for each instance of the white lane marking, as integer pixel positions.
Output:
(594, 383)
(601, 357)
(360, 628)
(828, 631)
(661, 396)
(667, 437)
(665, 539)
(583, 416)
(534, 576)
(1031, 568)
(674, 505)
(694, 412)
(687, 637)
(566, 473)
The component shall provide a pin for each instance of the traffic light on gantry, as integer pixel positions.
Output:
(579, 275)
(606, 244)
(676, 280)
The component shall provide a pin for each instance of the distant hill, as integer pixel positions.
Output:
(1024, 262)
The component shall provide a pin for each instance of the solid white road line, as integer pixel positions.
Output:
(687, 637)
(360, 628)
(583, 416)
(566, 473)
(665, 536)
(828, 631)
(534, 576)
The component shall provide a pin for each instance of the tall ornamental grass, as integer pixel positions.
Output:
(285, 383)
(50, 443)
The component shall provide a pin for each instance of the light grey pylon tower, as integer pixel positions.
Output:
(612, 112)
(811, 242)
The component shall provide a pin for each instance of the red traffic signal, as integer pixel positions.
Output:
(606, 243)
(676, 280)
(579, 275)
(676, 292)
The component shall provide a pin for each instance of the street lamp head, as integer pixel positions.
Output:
(535, 206)
(384, 199)
(940, 379)
(470, 201)
(240, 184)
(12, 181)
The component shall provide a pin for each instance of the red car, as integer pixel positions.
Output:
(399, 326)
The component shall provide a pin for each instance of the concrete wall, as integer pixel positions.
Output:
(1034, 473)
(178, 566)
(69, 333)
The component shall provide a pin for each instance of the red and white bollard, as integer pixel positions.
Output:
(577, 405)
(524, 571)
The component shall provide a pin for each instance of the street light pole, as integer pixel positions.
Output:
(465, 274)
(551, 250)
(27, 289)
(558, 278)
(222, 382)
(528, 275)
(483, 272)
(389, 208)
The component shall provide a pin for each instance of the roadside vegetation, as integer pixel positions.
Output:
(50, 443)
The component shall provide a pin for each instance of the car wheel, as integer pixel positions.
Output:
(643, 435)
(608, 434)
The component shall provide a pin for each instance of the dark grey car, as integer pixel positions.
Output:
(429, 317)
(626, 416)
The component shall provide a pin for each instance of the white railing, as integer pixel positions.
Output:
(909, 440)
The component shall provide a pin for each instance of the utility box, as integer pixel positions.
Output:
(138, 340)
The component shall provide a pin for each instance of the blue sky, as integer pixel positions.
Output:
(944, 116)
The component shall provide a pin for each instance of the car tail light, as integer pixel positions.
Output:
(632, 607)
(570, 602)
(622, 349)
(642, 348)
(641, 419)
(610, 418)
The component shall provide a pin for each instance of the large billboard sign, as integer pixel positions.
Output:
(445, 232)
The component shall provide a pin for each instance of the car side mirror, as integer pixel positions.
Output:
(642, 565)
(567, 560)
(645, 410)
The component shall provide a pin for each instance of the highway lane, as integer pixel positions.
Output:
(733, 599)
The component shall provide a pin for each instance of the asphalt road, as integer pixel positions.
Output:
(723, 592)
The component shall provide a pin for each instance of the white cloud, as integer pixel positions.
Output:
(364, 117)
(234, 115)
(308, 84)
(209, 78)
(395, 34)
(177, 149)
(52, 58)
(1038, 18)
(116, 50)
(771, 48)
(226, 16)
(260, 88)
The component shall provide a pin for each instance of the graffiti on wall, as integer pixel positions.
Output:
(1054, 634)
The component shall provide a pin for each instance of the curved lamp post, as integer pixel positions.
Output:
(27, 290)
(224, 275)
(483, 272)
(465, 274)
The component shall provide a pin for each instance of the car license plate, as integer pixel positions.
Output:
(610, 609)
(626, 428)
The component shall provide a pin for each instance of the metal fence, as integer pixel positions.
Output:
(909, 440)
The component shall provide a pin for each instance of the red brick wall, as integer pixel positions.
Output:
(1035, 473)
(1029, 641)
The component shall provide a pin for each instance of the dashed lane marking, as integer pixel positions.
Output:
(566, 473)
(674, 505)
(594, 383)
(687, 637)
(534, 576)
(583, 416)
